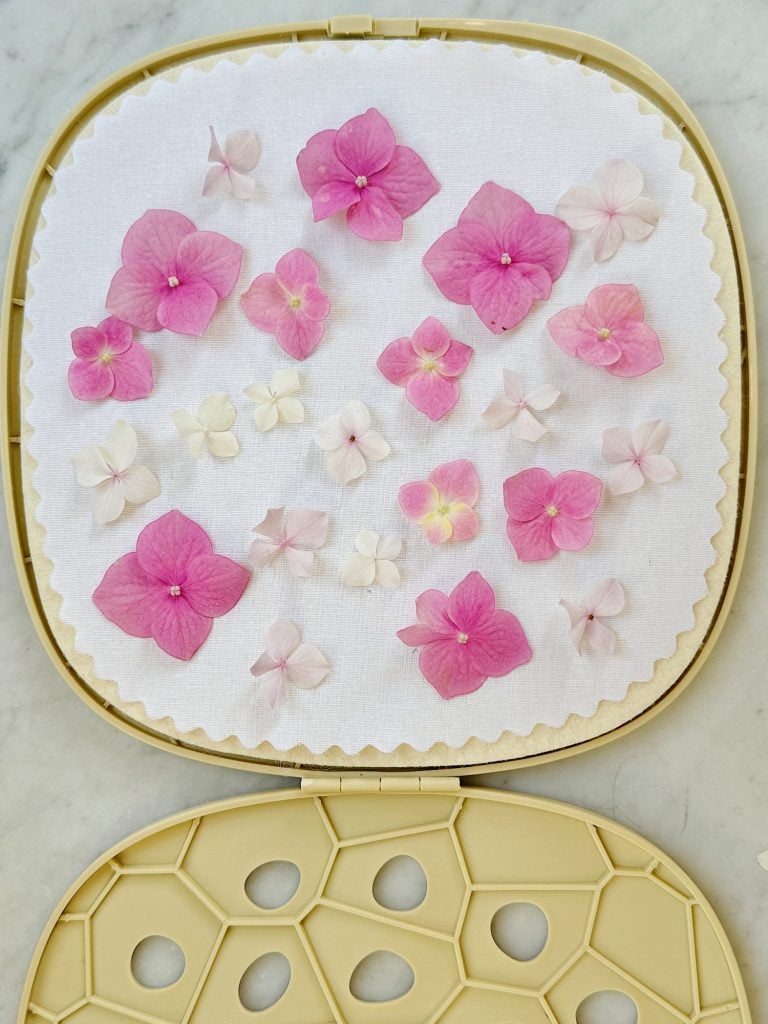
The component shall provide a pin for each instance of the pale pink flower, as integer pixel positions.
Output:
(428, 366)
(515, 408)
(549, 514)
(173, 275)
(232, 162)
(610, 208)
(171, 587)
(296, 534)
(109, 363)
(444, 504)
(636, 456)
(609, 330)
(288, 660)
(361, 169)
(350, 442)
(603, 601)
(465, 638)
(500, 258)
(289, 304)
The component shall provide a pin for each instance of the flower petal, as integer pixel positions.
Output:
(387, 574)
(89, 342)
(649, 438)
(154, 240)
(606, 239)
(214, 584)
(356, 418)
(471, 603)
(119, 335)
(223, 444)
(90, 466)
(242, 149)
(134, 295)
(389, 547)
(532, 540)
(432, 611)
(374, 217)
(367, 543)
(272, 525)
(430, 339)
(418, 499)
(289, 410)
(598, 351)
(373, 446)
(140, 485)
(178, 629)
(108, 501)
(399, 362)
(346, 464)
(513, 386)
(262, 552)
(315, 304)
(263, 664)
(186, 423)
(217, 182)
(133, 374)
(407, 181)
(617, 445)
(638, 219)
(625, 477)
(576, 494)
(417, 636)
(285, 383)
(333, 197)
(318, 164)
(210, 257)
(500, 413)
(456, 481)
(188, 308)
(166, 547)
(607, 598)
(500, 209)
(296, 269)
(640, 352)
(307, 667)
(215, 154)
(242, 186)
(463, 521)
(457, 255)
(455, 361)
(282, 639)
(298, 335)
(265, 416)
(612, 305)
(527, 494)
(570, 328)
(447, 666)
(306, 528)
(502, 296)
(216, 412)
(619, 183)
(433, 394)
(499, 645)
(600, 637)
(332, 434)
(527, 427)
(582, 208)
(128, 596)
(90, 380)
(358, 570)
(572, 534)
(438, 528)
(658, 469)
(366, 143)
(265, 302)
(542, 241)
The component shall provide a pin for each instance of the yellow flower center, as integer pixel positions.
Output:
(295, 302)
(443, 510)
(106, 357)
(604, 333)
(553, 511)
(429, 365)
(173, 281)
(361, 181)
(505, 259)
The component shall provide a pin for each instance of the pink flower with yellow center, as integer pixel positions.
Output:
(444, 504)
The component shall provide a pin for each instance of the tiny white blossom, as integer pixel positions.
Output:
(372, 562)
(211, 427)
(515, 408)
(276, 403)
(108, 468)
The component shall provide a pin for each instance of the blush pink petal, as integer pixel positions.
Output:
(570, 328)
(571, 534)
(433, 394)
(437, 528)
(299, 336)
(264, 303)
(500, 209)
(315, 304)
(576, 494)
(612, 305)
(188, 308)
(457, 256)
(306, 527)
(318, 164)
(456, 481)
(417, 636)
(215, 584)
(299, 562)
(90, 380)
(166, 547)
(366, 143)
(543, 241)
(132, 373)
(430, 339)
(210, 257)
(134, 295)
(455, 361)
(399, 362)
(154, 240)
(471, 603)
(128, 596)
(432, 611)
(88, 342)
(334, 197)
(418, 499)
(464, 522)
(532, 540)
(598, 351)
(502, 296)
(448, 667)
(407, 181)
(374, 217)
(296, 269)
(527, 494)
(178, 629)
(500, 646)
(119, 335)
(640, 352)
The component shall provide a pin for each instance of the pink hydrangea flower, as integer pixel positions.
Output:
(609, 330)
(289, 304)
(173, 275)
(428, 366)
(465, 638)
(636, 456)
(444, 503)
(231, 163)
(288, 660)
(297, 534)
(109, 363)
(603, 601)
(361, 169)
(500, 258)
(549, 514)
(171, 587)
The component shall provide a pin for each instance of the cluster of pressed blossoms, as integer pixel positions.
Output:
(501, 258)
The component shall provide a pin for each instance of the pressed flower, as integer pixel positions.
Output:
(171, 587)
(549, 514)
(636, 456)
(288, 660)
(109, 469)
(231, 165)
(609, 330)
(464, 638)
(611, 208)
(289, 304)
(276, 402)
(211, 427)
(500, 258)
(296, 534)
(428, 366)
(350, 443)
(109, 363)
(604, 601)
(361, 169)
(444, 504)
(173, 275)
(515, 408)
(372, 561)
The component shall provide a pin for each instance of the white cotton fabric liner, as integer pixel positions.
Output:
(474, 114)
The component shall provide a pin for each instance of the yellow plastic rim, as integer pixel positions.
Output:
(587, 50)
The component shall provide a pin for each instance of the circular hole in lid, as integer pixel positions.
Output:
(273, 884)
(400, 884)
(265, 981)
(157, 962)
(381, 977)
(520, 930)
(607, 1007)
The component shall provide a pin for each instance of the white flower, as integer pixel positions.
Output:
(636, 456)
(515, 408)
(605, 600)
(372, 561)
(232, 161)
(276, 404)
(288, 660)
(108, 468)
(349, 441)
(211, 426)
(610, 208)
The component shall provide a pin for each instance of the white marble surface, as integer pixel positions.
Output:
(695, 780)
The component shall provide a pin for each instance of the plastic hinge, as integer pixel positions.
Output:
(386, 784)
(364, 25)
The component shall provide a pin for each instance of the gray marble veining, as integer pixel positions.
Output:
(695, 780)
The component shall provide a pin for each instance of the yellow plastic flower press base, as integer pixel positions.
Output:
(619, 917)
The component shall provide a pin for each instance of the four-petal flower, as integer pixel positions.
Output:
(210, 426)
(636, 456)
(444, 503)
(171, 587)
(231, 163)
(173, 275)
(349, 441)
(372, 561)
(604, 600)
(515, 408)
(276, 403)
(289, 304)
(288, 660)
(609, 330)
(549, 514)
(500, 258)
(108, 468)
(296, 534)
(361, 169)
(109, 363)
(428, 366)
(464, 638)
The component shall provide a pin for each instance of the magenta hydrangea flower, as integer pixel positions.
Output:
(609, 330)
(444, 504)
(171, 587)
(428, 366)
(362, 170)
(465, 638)
(109, 363)
(500, 258)
(289, 304)
(549, 514)
(173, 275)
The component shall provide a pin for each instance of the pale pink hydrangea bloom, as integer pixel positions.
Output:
(444, 504)
(288, 660)
(603, 601)
(296, 534)
(350, 442)
(636, 456)
(515, 408)
(231, 163)
(549, 514)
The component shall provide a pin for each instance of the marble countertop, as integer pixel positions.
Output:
(694, 780)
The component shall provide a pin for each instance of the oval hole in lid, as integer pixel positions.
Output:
(520, 930)
(400, 884)
(381, 977)
(607, 1007)
(265, 981)
(157, 962)
(273, 884)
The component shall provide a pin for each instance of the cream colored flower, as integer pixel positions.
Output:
(275, 403)
(372, 562)
(211, 427)
(108, 468)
